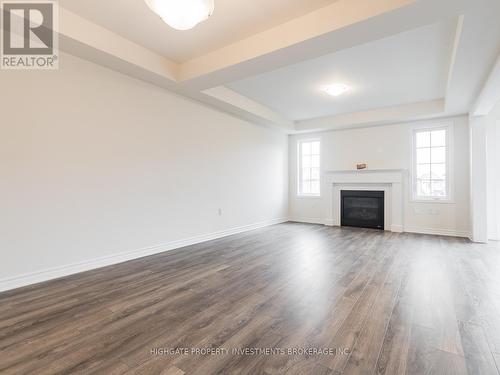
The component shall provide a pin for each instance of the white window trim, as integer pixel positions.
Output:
(299, 168)
(449, 126)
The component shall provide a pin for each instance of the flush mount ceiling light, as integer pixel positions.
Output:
(336, 89)
(182, 14)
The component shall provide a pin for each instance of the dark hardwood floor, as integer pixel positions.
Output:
(372, 302)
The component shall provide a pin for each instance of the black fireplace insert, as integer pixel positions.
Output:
(362, 209)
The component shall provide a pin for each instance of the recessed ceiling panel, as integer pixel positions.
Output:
(231, 21)
(405, 68)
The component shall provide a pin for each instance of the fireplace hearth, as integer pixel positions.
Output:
(362, 209)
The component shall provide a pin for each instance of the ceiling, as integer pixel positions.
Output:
(268, 61)
(406, 68)
(231, 21)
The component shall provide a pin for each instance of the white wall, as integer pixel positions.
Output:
(497, 190)
(94, 164)
(478, 178)
(388, 147)
(493, 167)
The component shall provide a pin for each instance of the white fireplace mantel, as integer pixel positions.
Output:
(388, 180)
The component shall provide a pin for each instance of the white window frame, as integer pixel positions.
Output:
(449, 198)
(299, 168)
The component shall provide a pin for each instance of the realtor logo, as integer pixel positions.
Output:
(29, 35)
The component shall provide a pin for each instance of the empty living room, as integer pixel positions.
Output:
(305, 187)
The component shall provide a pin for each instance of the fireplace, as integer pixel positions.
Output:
(390, 181)
(363, 209)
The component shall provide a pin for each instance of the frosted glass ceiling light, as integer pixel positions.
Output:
(182, 14)
(336, 89)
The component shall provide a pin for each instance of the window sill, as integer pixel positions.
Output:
(439, 201)
(305, 196)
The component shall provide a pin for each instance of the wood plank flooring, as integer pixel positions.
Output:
(360, 301)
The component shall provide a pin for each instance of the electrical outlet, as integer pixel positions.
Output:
(417, 211)
(220, 211)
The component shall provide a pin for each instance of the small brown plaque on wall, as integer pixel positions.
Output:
(361, 166)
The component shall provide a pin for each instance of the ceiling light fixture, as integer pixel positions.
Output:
(336, 89)
(182, 14)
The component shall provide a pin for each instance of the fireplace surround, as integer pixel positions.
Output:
(389, 181)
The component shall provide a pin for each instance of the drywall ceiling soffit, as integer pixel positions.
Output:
(333, 28)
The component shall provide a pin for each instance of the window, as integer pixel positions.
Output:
(431, 150)
(309, 168)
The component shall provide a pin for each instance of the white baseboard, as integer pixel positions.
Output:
(397, 228)
(438, 232)
(70, 269)
(493, 236)
(308, 220)
(394, 228)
